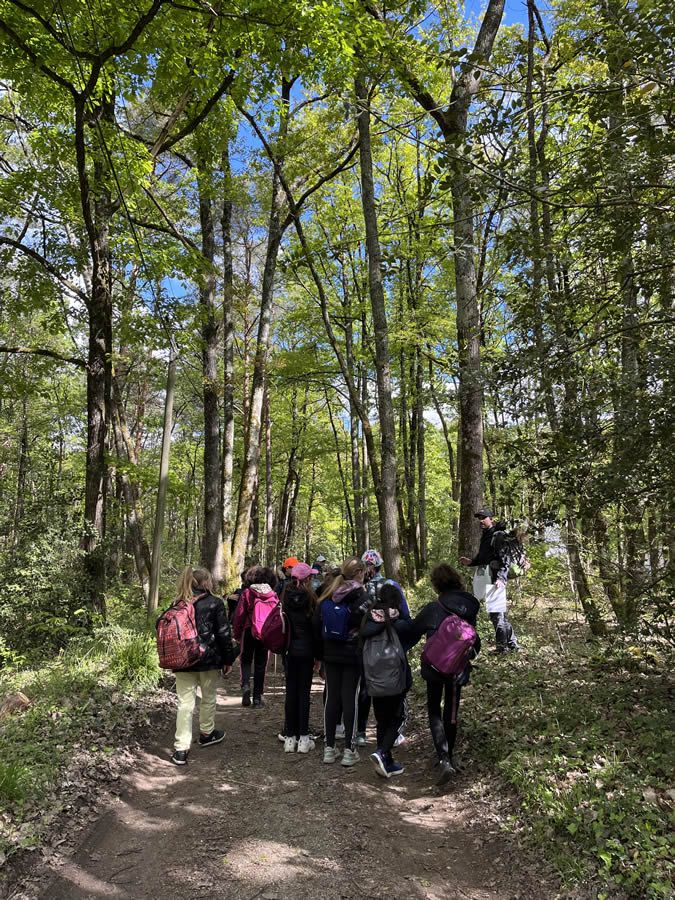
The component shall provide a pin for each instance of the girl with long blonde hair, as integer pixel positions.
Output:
(218, 653)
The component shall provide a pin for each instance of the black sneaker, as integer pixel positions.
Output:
(179, 757)
(258, 703)
(446, 771)
(246, 698)
(205, 740)
(497, 650)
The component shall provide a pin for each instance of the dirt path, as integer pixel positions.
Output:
(244, 820)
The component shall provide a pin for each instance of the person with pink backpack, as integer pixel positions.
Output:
(449, 624)
(256, 602)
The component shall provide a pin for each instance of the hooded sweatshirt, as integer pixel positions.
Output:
(353, 594)
(244, 612)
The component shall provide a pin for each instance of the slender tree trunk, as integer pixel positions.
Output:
(249, 475)
(212, 541)
(579, 578)
(228, 360)
(153, 594)
(269, 486)
(422, 538)
(387, 492)
(22, 471)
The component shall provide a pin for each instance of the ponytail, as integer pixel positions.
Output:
(350, 569)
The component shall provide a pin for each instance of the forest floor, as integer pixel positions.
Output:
(244, 820)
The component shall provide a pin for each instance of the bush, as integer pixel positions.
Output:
(133, 659)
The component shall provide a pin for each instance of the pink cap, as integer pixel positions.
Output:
(302, 571)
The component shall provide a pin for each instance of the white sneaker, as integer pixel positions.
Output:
(401, 739)
(290, 744)
(350, 757)
(305, 744)
(340, 732)
(361, 739)
(329, 754)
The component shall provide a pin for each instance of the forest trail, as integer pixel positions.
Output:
(244, 820)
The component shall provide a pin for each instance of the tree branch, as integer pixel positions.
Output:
(53, 271)
(51, 354)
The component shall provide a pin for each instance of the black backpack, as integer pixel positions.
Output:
(509, 548)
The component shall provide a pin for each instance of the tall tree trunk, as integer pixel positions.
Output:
(579, 578)
(387, 493)
(269, 486)
(212, 535)
(249, 474)
(422, 537)
(22, 471)
(97, 209)
(228, 359)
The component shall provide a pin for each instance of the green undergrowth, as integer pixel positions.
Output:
(81, 701)
(582, 733)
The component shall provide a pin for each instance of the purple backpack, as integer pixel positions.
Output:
(275, 633)
(448, 649)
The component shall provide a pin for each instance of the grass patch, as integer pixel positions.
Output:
(584, 737)
(80, 701)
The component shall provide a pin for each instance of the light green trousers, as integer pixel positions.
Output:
(186, 691)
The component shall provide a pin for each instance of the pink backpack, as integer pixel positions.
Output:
(275, 633)
(262, 607)
(449, 648)
(178, 644)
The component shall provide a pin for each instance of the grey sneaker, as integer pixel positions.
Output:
(340, 732)
(361, 739)
(349, 757)
(329, 754)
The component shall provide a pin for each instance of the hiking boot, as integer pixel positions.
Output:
(349, 757)
(258, 703)
(380, 763)
(246, 698)
(179, 757)
(394, 768)
(361, 739)
(305, 744)
(329, 754)
(446, 771)
(400, 739)
(290, 745)
(205, 740)
(340, 733)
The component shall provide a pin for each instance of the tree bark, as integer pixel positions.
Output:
(228, 359)
(212, 546)
(249, 474)
(387, 494)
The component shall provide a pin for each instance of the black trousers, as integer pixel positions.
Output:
(389, 714)
(364, 706)
(253, 653)
(443, 724)
(298, 690)
(342, 690)
(504, 633)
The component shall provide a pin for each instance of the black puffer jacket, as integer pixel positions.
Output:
(345, 653)
(214, 632)
(462, 604)
(296, 605)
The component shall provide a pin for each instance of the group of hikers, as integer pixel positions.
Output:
(352, 626)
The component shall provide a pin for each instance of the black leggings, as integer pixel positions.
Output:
(299, 671)
(443, 727)
(342, 688)
(253, 651)
(389, 717)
